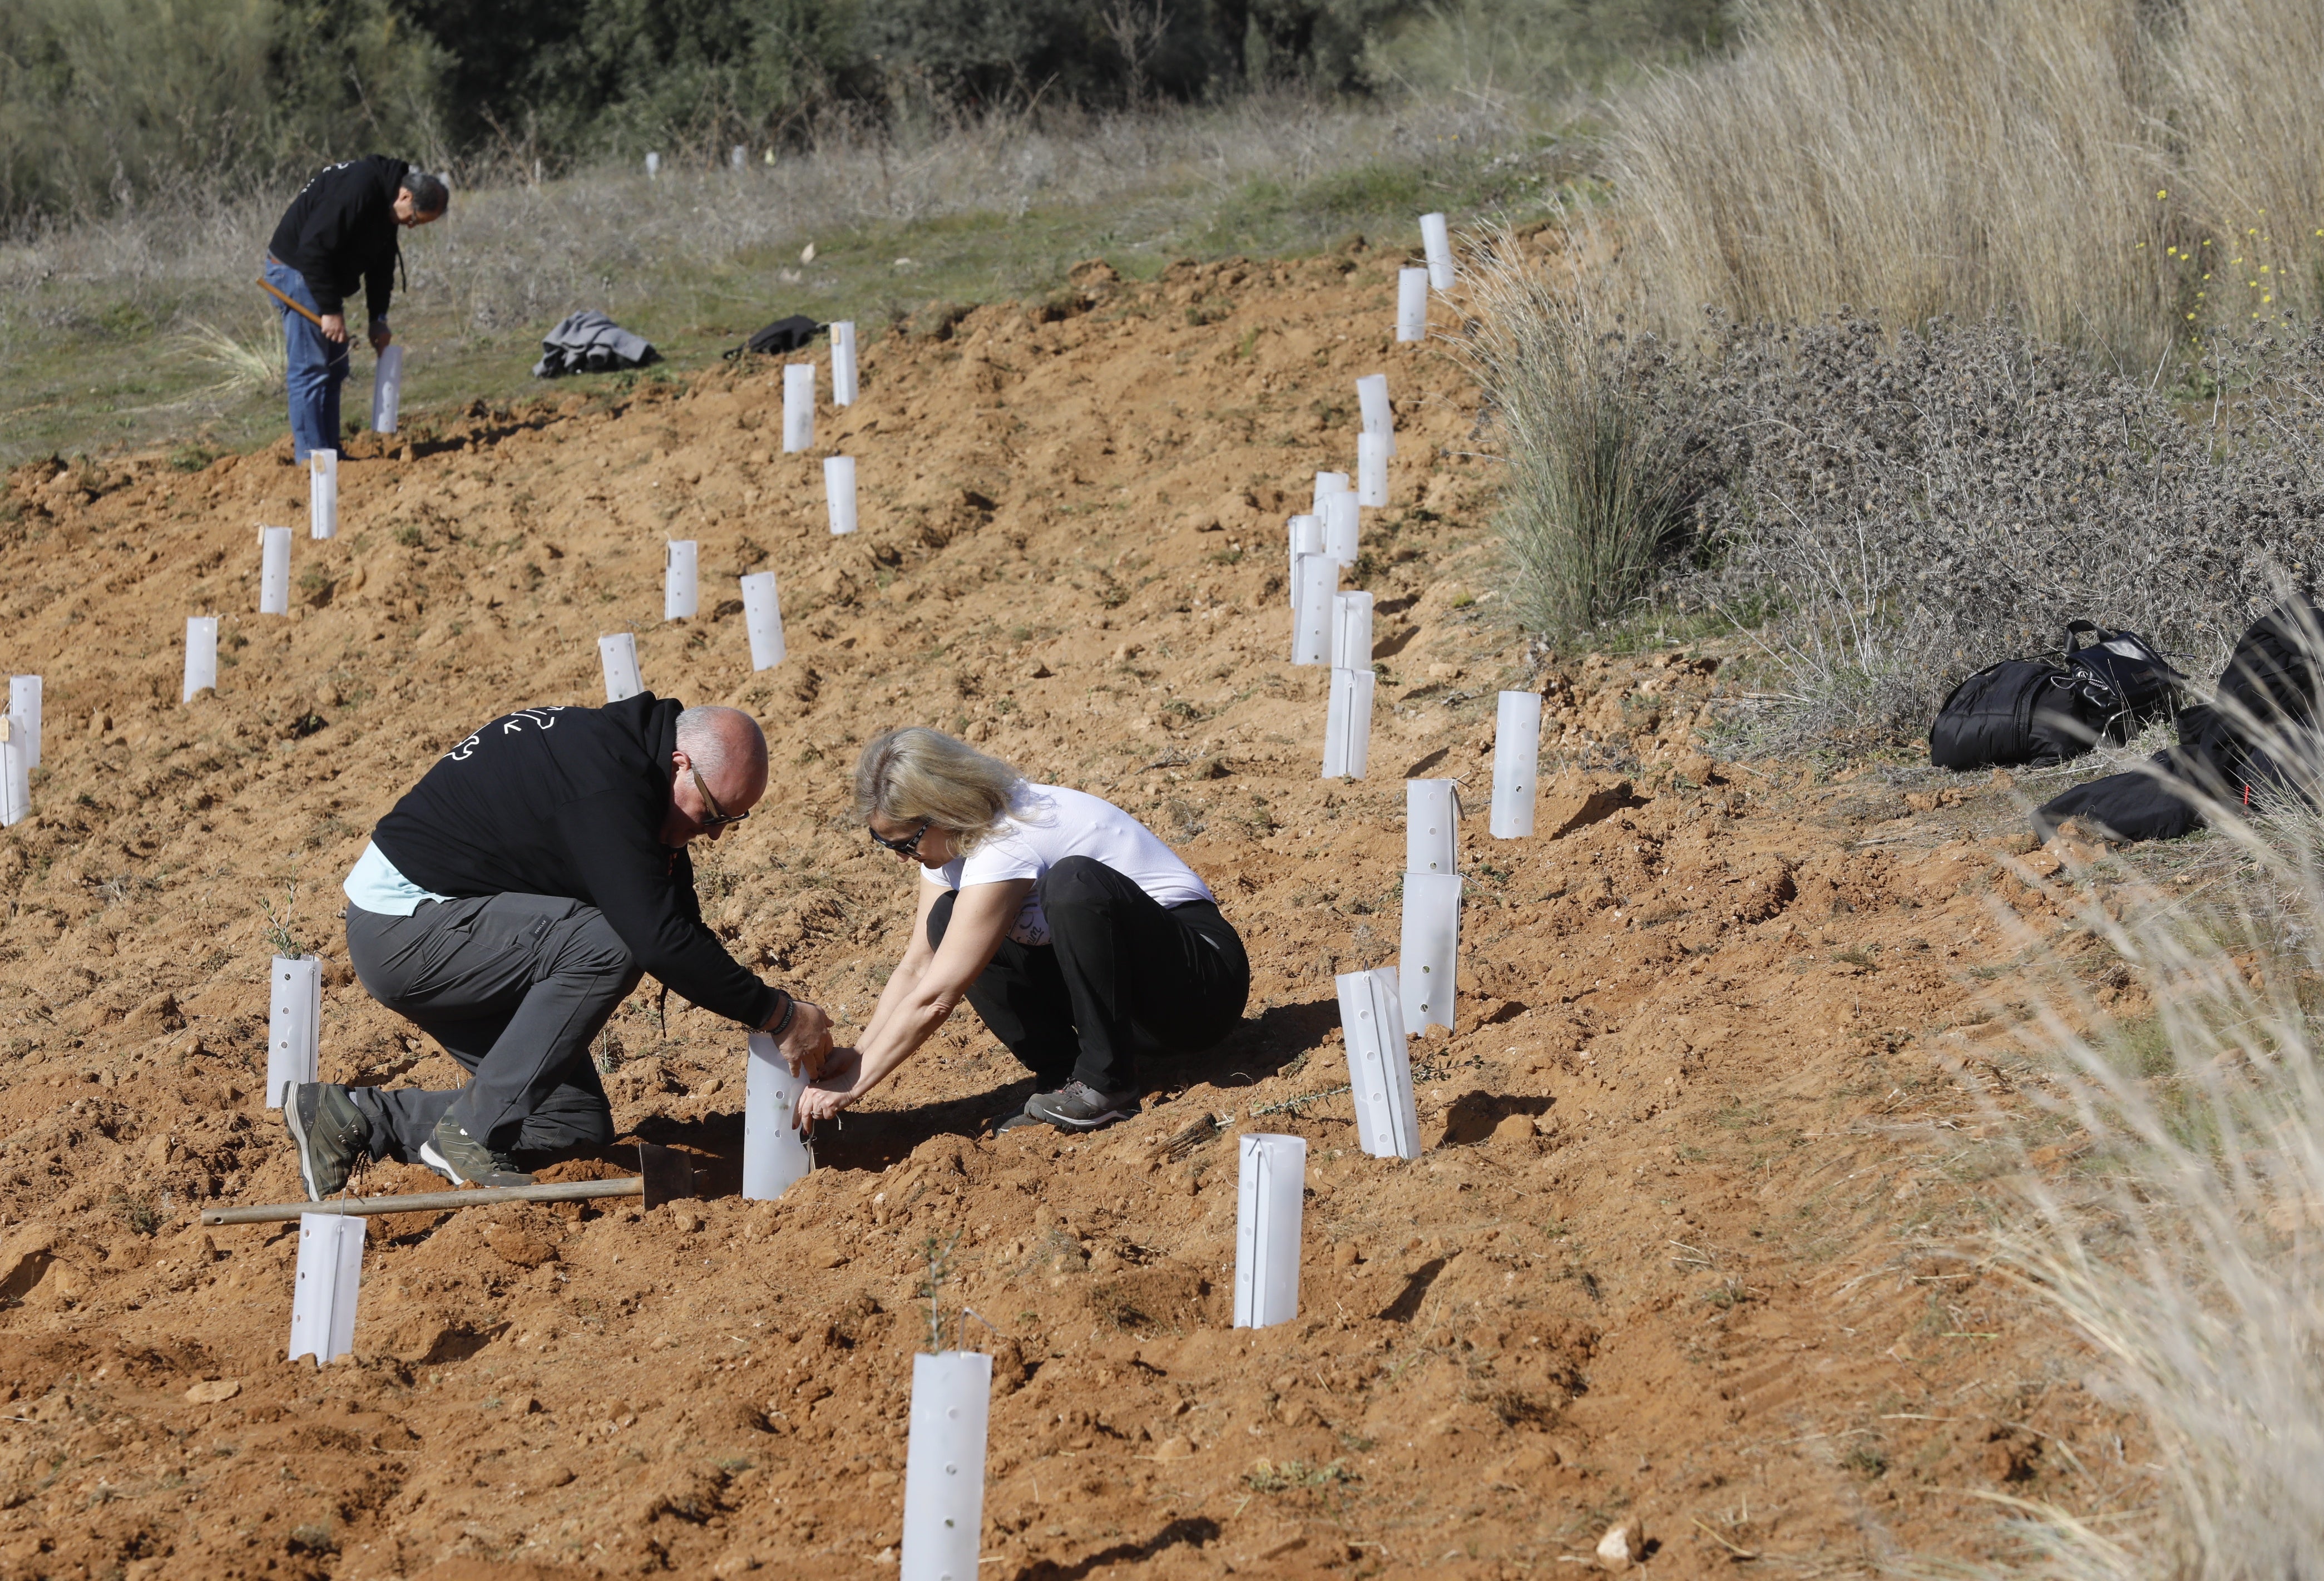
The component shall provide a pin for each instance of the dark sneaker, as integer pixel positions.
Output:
(1077, 1107)
(330, 1133)
(463, 1161)
(1020, 1118)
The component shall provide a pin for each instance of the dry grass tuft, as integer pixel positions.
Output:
(256, 362)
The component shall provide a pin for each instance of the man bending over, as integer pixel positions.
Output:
(510, 901)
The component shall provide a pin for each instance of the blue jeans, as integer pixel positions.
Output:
(315, 367)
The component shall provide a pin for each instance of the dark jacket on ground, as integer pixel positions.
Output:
(569, 801)
(339, 232)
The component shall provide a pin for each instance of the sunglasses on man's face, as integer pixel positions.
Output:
(719, 816)
(909, 846)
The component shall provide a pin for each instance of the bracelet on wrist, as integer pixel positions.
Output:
(790, 1008)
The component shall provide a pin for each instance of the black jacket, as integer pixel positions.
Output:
(569, 801)
(340, 231)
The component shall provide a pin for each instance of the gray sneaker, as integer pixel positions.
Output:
(330, 1133)
(1078, 1106)
(463, 1161)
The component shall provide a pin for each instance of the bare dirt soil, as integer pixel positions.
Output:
(1680, 1247)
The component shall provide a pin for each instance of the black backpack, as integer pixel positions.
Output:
(2270, 675)
(2021, 711)
(779, 338)
(2145, 686)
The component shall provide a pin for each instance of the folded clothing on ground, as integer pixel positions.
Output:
(588, 342)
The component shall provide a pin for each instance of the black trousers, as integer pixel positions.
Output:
(515, 988)
(1123, 975)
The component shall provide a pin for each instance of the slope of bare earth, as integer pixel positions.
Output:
(1677, 1248)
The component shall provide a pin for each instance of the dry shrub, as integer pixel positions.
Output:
(1885, 512)
(1921, 157)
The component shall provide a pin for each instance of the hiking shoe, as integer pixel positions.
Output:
(1078, 1106)
(331, 1134)
(463, 1161)
(1011, 1122)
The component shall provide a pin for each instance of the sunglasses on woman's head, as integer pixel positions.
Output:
(909, 846)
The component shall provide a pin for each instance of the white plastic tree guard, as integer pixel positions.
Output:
(1348, 725)
(839, 492)
(1412, 304)
(1329, 483)
(1314, 580)
(1307, 538)
(737, 157)
(681, 594)
(275, 570)
(323, 493)
(25, 708)
(1436, 242)
(1342, 527)
(1517, 754)
(944, 1465)
(1272, 1184)
(799, 407)
(294, 1022)
(1430, 949)
(774, 1156)
(202, 656)
(15, 772)
(842, 363)
(1379, 1064)
(618, 656)
(1352, 631)
(1378, 416)
(1432, 826)
(653, 166)
(1372, 470)
(330, 1281)
(763, 616)
(387, 389)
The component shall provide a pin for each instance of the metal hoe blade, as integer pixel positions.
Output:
(669, 1174)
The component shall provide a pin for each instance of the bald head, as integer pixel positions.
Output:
(728, 749)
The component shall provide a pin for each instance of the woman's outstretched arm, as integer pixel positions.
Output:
(920, 995)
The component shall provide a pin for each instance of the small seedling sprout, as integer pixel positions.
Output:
(277, 924)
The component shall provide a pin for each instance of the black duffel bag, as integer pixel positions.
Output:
(2021, 711)
(779, 338)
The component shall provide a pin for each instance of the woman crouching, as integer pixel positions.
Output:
(1081, 939)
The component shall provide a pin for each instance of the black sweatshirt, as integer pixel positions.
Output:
(340, 232)
(570, 801)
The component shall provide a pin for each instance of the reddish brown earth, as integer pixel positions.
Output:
(1681, 1246)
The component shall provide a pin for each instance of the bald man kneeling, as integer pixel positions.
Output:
(510, 902)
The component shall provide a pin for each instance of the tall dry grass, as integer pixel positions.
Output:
(1914, 158)
(2188, 1247)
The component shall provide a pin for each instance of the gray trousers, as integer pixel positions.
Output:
(515, 988)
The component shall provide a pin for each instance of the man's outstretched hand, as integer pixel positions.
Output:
(833, 1092)
(806, 1043)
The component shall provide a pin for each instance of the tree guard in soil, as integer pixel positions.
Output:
(774, 1156)
(839, 494)
(275, 570)
(1271, 1192)
(1437, 244)
(1348, 723)
(1379, 1064)
(1516, 755)
(328, 1283)
(618, 655)
(762, 617)
(1429, 950)
(25, 708)
(1315, 577)
(294, 1022)
(323, 493)
(842, 363)
(681, 595)
(202, 656)
(1411, 304)
(799, 407)
(386, 393)
(1432, 826)
(944, 1465)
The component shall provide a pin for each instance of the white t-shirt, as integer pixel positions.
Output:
(1048, 823)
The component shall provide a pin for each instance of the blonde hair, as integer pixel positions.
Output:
(918, 775)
